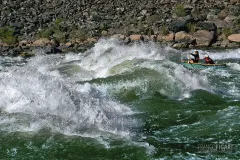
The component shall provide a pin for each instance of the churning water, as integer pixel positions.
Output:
(119, 102)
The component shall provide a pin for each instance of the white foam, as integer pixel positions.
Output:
(108, 53)
(40, 97)
(39, 92)
(234, 66)
(172, 80)
(72, 57)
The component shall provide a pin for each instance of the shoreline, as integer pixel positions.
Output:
(27, 49)
(76, 25)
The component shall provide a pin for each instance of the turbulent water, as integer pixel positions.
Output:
(119, 102)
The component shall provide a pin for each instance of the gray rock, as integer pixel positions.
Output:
(220, 23)
(211, 17)
(116, 16)
(204, 38)
(180, 24)
(234, 10)
(207, 26)
(180, 45)
(234, 45)
(225, 43)
(52, 50)
(183, 37)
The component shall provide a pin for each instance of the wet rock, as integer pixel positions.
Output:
(69, 44)
(136, 37)
(153, 38)
(104, 33)
(118, 36)
(23, 43)
(4, 50)
(52, 50)
(127, 40)
(180, 45)
(14, 51)
(81, 49)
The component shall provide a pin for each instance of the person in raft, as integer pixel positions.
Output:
(194, 57)
(208, 60)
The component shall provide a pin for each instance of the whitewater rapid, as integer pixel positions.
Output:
(56, 93)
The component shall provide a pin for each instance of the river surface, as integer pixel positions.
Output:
(119, 102)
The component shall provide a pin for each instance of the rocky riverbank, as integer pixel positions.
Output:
(60, 25)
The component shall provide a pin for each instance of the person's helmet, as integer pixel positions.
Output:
(206, 56)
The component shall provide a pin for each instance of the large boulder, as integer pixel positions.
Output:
(234, 38)
(136, 37)
(180, 24)
(167, 38)
(204, 38)
(206, 26)
(118, 36)
(41, 42)
(184, 37)
(225, 43)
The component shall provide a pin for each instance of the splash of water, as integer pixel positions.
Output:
(36, 97)
(44, 93)
(109, 58)
(108, 53)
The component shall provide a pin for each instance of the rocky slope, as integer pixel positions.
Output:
(180, 23)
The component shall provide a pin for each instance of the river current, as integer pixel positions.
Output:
(118, 101)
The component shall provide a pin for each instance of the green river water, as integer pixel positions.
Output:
(117, 102)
